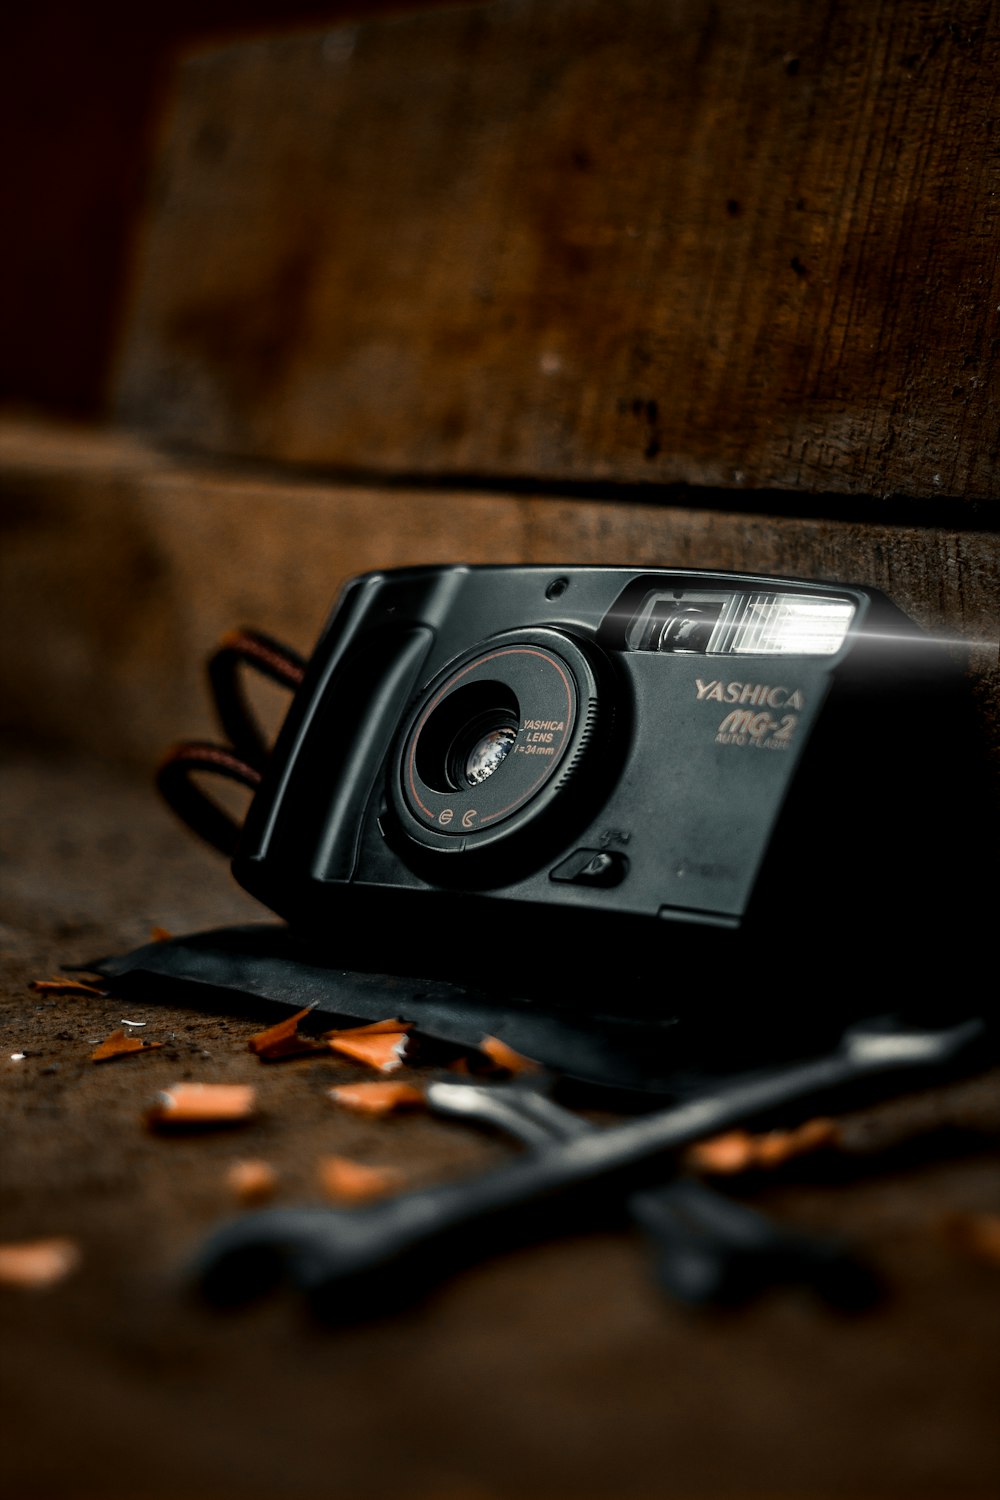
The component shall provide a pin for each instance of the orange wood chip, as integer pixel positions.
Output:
(203, 1104)
(732, 1152)
(977, 1234)
(159, 935)
(65, 987)
(37, 1263)
(369, 1028)
(506, 1057)
(376, 1098)
(118, 1044)
(778, 1146)
(283, 1040)
(382, 1049)
(252, 1181)
(349, 1181)
(741, 1151)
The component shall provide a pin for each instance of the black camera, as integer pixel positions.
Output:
(620, 787)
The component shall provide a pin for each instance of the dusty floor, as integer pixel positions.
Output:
(556, 1372)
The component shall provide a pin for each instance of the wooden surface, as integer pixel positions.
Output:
(730, 245)
(557, 1372)
(121, 567)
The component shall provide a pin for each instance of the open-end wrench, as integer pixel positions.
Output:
(355, 1262)
(706, 1247)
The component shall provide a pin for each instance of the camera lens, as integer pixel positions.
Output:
(467, 736)
(493, 742)
(488, 754)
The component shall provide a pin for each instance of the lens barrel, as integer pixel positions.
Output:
(494, 743)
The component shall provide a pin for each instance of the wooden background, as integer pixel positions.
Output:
(531, 280)
(748, 246)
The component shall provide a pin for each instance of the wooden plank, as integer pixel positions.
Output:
(121, 569)
(728, 245)
(78, 103)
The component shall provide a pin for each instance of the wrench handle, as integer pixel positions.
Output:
(350, 1261)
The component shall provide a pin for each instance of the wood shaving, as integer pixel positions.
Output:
(779, 1146)
(203, 1104)
(732, 1152)
(376, 1098)
(741, 1151)
(118, 1044)
(348, 1181)
(65, 987)
(378, 1048)
(283, 1039)
(252, 1181)
(505, 1057)
(38, 1263)
(975, 1234)
(368, 1028)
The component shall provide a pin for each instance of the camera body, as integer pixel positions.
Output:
(615, 787)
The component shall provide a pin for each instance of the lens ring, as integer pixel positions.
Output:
(548, 710)
(493, 739)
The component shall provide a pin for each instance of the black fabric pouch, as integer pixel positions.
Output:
(629, 1058)
(262, 969)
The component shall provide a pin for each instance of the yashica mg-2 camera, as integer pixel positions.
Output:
(618, 787)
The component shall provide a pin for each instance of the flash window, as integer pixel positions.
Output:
(741, 624)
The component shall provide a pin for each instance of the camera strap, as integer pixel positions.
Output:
(244, 758)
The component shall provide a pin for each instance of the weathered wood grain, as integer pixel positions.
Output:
(725, 244)
(120, 569)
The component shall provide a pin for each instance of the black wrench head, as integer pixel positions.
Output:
(250, 1257)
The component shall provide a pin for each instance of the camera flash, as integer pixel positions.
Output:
(777, 624)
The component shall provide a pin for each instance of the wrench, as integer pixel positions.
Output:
(706, 1247)
(353, 1263)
